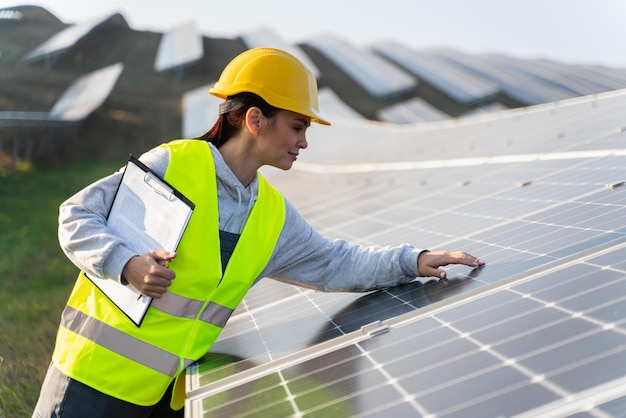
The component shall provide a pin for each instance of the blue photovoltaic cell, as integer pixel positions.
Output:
(505, 352)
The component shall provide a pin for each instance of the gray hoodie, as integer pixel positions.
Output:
(302, 256)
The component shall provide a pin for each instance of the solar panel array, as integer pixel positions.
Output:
(539, 331)
(387, 81)
(460, 83)
(532, 82)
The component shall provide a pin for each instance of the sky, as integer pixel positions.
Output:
(570, 31)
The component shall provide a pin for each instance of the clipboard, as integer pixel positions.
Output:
(148, 214)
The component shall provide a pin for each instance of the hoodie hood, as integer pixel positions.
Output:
(236, 200)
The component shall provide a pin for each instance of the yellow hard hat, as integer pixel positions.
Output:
(276, 76)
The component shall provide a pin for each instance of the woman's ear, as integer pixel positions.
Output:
(253, 120)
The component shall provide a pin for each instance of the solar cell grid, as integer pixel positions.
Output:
(612, 259)
(464, 357)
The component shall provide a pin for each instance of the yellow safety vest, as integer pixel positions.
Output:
(99, 346)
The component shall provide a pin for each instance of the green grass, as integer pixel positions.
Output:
(36, 276)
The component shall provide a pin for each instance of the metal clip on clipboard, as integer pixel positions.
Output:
(158, 186)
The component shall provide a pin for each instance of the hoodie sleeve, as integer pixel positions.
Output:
(306, 258)
(83, 233)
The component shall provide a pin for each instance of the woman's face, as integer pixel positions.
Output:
(281, 139)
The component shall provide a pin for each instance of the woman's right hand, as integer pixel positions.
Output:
(147, 274)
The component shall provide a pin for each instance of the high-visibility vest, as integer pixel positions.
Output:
(99, 346)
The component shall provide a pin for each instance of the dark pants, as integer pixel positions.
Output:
(64, 397)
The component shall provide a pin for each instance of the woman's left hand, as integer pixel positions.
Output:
(428, 262)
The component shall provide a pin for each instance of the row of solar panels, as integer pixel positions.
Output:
(427, 86)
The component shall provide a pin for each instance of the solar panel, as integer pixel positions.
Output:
(200, 111)
(179, 47)
(489, 108)
(411, 111)
(463, 85)
(332, 106)
(516, 347)
(539, 331)
(87, 93)
(66, 38)
(522, 84)
(79, 100)
(375, 75)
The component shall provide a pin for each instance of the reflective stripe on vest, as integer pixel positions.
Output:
(115, 340)
(99, 346)
(183, 307)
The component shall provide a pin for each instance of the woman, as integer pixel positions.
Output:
(242, 229)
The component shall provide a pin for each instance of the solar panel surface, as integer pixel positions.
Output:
(540, 331)
(411, 111)
(66, 38)
(377, 76)
(511, 349)
(179, 47)
(461, 83)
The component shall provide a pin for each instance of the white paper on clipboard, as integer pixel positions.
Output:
(149, 214)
